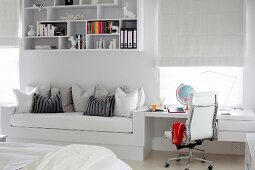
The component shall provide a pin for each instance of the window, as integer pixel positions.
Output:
(9, 75)
(227, 81)
(198, 33)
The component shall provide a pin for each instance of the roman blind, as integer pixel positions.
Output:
(201, 32)
(9, 22)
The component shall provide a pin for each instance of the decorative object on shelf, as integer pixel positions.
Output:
(100, 44)
(80, 41)
(110, 45)
(73, 42)
(60, 32)
(113, 44)
(104, 44)
(183, 94)
(31, 32)
(45, 47)
(68, 2)
(94, 1)
(127, 13)
(40, 6)
(115, 29)
(72, 17)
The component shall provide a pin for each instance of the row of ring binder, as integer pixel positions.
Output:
(128, 38)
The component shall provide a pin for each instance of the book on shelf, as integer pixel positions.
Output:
(101, 27)
(128, 38)
(50, 30)
(134, 38)
(121, 39)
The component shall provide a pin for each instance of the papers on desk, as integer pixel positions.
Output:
(176, 110)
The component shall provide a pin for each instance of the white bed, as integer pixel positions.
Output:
(15, 156)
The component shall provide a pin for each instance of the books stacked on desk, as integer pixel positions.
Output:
(128, 38)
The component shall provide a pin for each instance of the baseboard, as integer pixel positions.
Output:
(215, 147)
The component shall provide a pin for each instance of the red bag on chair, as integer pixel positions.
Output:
(178, 129)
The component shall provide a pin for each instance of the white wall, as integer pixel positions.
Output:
(249, 68)
(111, 69)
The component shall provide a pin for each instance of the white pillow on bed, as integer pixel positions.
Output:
(125, 103)
(24, 100)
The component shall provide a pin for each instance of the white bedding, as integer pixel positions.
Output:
(45, 157)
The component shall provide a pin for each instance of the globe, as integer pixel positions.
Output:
(183, 93)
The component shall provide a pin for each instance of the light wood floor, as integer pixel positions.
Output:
(156, 159)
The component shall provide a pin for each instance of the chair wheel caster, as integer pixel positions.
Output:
(166, 165)
(204, 159)
(210, 167)
(178, 160)
(186, 168)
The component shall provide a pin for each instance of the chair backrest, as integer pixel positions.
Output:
(202, 115)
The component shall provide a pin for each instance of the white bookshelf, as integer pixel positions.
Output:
(105, 10)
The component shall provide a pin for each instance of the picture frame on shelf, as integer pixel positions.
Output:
(68, 2)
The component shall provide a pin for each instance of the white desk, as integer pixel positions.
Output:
(231, 127)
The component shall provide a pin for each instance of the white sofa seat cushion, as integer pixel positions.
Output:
(73, 121)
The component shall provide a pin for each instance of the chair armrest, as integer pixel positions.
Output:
(6, 112)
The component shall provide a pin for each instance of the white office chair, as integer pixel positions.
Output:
(201, 125)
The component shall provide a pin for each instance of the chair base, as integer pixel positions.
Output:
(190, 157)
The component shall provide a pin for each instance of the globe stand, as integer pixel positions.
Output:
(183, 94)
(186, 108)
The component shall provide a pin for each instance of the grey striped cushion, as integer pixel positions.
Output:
(47, 105)
(100, 107)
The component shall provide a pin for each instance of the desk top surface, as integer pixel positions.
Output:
(233, 114)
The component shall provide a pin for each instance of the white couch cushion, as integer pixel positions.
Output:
(73, 121)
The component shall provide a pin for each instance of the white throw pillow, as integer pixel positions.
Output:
(101, 92)
(125, 103)
(141, 95)
(24, 101)
(141, 98)
(81, 97)
(43, 89)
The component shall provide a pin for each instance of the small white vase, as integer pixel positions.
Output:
(31, 32)
(94, 1)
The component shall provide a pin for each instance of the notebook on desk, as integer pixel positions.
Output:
(175, 110)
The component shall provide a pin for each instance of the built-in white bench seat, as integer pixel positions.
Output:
(125, 136)
(73, 121)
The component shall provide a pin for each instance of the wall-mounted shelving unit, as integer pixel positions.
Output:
(105, 12)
